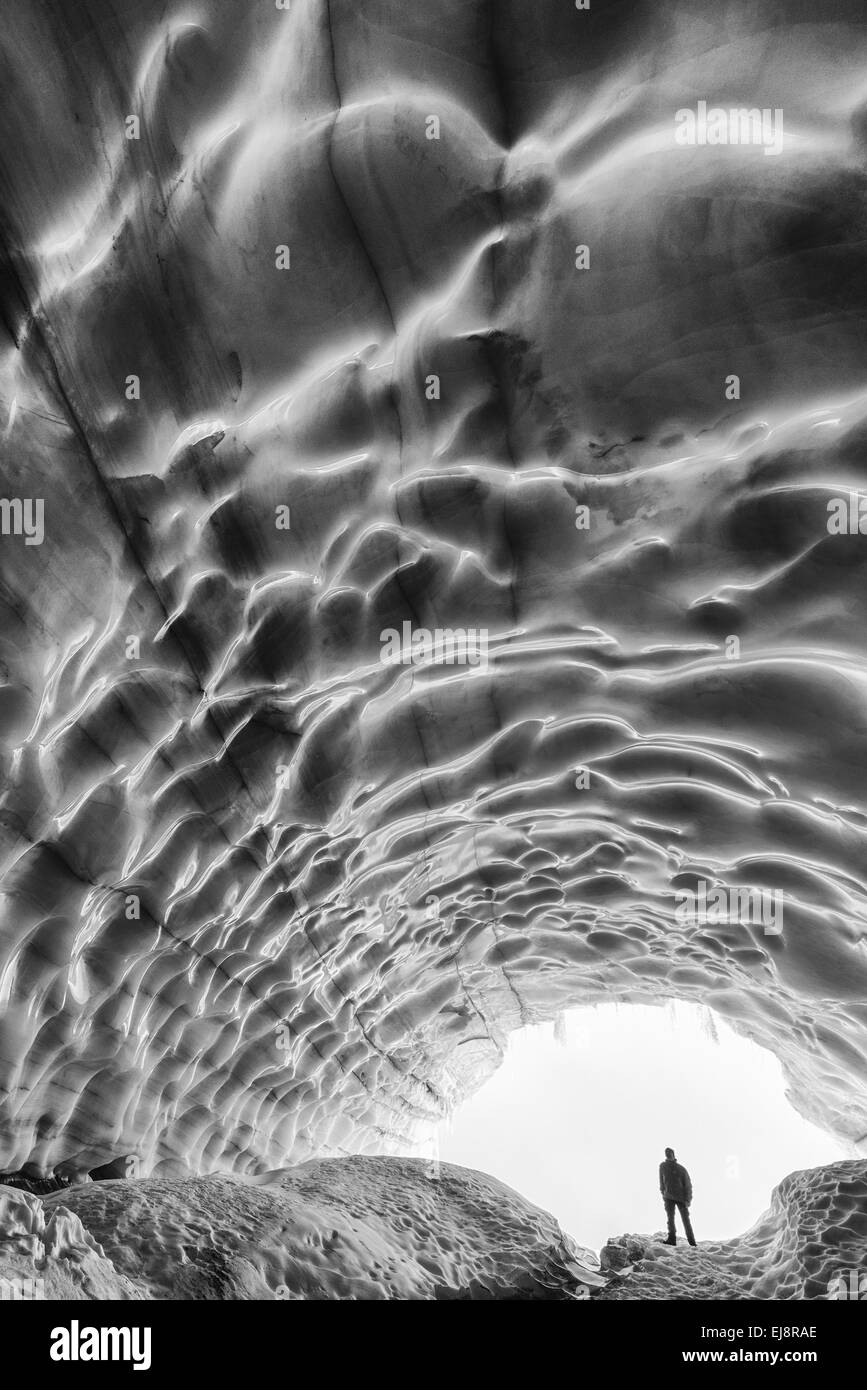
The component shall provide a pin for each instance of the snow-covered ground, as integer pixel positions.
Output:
(387, 1228)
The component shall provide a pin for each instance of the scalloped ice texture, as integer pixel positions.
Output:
(395, 863)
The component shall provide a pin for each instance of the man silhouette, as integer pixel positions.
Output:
(676, 1189)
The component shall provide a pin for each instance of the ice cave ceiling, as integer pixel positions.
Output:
(289, 365)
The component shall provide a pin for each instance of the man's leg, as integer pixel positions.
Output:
(669, 1212)
(687, 1224)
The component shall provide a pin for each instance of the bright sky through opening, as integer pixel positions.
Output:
(580, 1126)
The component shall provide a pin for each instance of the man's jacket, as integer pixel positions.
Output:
(674, 1183)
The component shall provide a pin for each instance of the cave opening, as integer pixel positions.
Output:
(571, 1122)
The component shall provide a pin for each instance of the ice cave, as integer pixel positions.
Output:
(329, 323)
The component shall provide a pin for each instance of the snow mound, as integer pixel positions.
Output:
(353, 1228)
